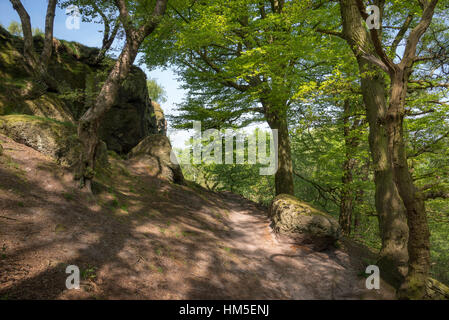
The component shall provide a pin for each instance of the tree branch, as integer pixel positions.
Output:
(428, 147)
(417, 32)
(332, 33)
(374, 60)
(430, 195)
(401, 33)
(217, 69)
(425, 84)
(376, 40)
(319, 188)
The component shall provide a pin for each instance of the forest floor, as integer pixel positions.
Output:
(143, 238)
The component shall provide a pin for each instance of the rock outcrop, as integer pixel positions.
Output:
(130, 120)
(436, 290)
(158, 119)
(55, 139)
(299, 223)
(134, 125)
(153, 155)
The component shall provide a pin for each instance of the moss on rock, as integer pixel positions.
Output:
(154, 152)
(72, 65)
(158, 118)
(53, 138)
(302, 223)
(436, 290)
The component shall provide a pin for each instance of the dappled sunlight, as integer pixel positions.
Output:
(172, 243)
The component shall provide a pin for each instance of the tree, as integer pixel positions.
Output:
(389, 207)
(329, 150)
(138, 23)
(156, 92)
(242, 62)
(37, 65)
(242, 178)
(38, 33)
(351, 126)
(107, 11)
(15, 29)
(386, 111)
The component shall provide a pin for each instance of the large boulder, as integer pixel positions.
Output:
(131, 119)
(297, 222)
(153, 156)
(53, 138)
(436, 290)
(50, 137)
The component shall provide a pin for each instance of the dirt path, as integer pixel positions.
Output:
(289, 271)
(143, 238)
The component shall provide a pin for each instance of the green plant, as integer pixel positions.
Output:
(3, 252)
(89, 273)
(68, 196)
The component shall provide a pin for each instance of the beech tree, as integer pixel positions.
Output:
(15, 29)
(386, 111)
(242, 61)
(37, 65)
(109, 17)
(138, 23)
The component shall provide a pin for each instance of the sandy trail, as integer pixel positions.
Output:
(161, 241)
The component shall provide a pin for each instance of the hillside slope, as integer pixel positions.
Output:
(144, 238)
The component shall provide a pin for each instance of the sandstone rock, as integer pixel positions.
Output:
(129, 121)
(159, 123)
(153, 156)
(297, 222)
(435, 290)
(55, 139)
(133, 117)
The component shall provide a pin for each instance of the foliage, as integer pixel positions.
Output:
(15, 29)
(240, 178)
(237, 57)
(227, 70)
(38, 32)
(232, 56)
(156, 92)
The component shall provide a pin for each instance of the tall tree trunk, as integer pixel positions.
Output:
(48, 42)
(389, 206)
(347, 192)
(37, 66)
(28, 45)
(418, 244)
(365, 176)
(346, 199)
(89, 123)
(277, 120)
(419, 239)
